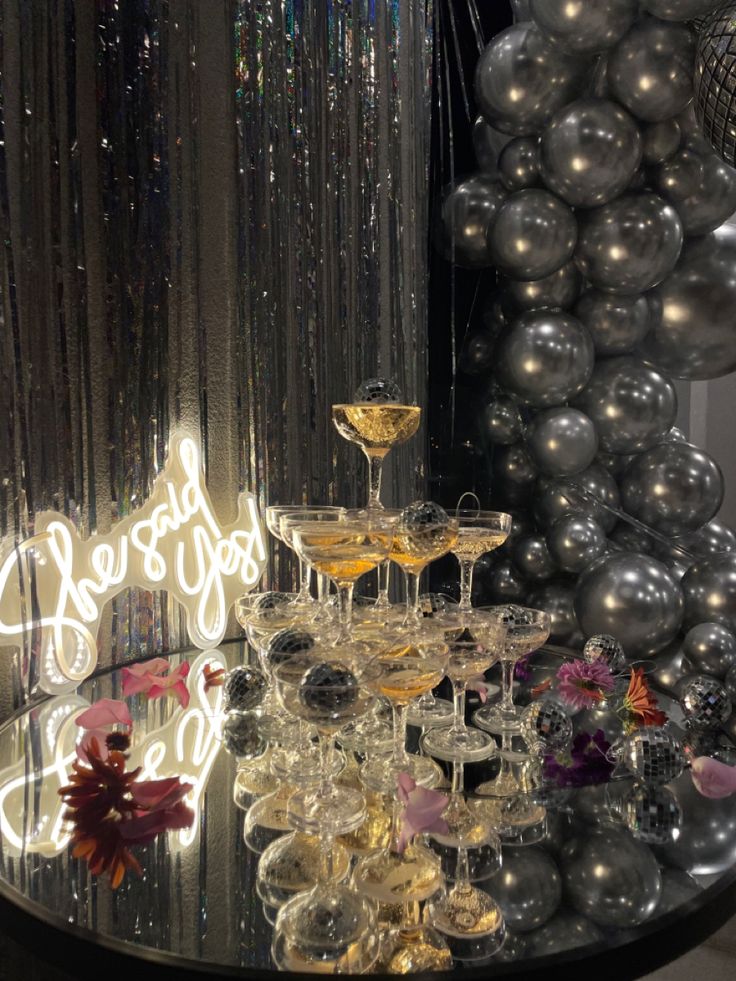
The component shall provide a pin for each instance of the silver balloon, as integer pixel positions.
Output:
(693, 332)
(669, 667)
(583, 28)
(562, 441)
(476, 354)
(652, 815)
(678, 888)
(680, 9)
(712, 538)
(504, 583)
(565, 931)
(700, 187)
(532, 235)
(705, 703)
(590, 152)
(555, 497)
(660, 141)
(467, 214)
(488, 144)
(653, 755)
(527, 888)
(673, 487)
(502, 422)
(574, 541)
(630, 244)
(711, 648)
(605, 648)
(633, 598)
(531, 557)
(629, 538)
(557, 598)
(650, 71)
(560, 289)
(518, 164)
(706, 844)
(545, 358)
(631, 404)
(615, 463)
(611, 878)
(616, 323)
(521, 80)
(514, 473)
(676, 435)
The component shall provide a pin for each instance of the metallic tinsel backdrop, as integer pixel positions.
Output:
(213, 215)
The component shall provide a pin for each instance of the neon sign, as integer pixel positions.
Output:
(173, 542)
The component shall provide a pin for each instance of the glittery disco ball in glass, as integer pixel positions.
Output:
(271, 600)
(705, 703)
(604, 647)
(380, 390)
(241, 735)
(421, 515)
(547, 725)
(328, 687)
(513, 615)
(652, 815)
(245, 686)
(653, 755)
(715, 81)
(287, 643)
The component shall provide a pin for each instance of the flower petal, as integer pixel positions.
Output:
(105, 712)
(712, 778)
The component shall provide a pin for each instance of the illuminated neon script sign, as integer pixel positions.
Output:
(173, 542)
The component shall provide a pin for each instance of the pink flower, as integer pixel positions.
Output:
(582, 685)
(479, 685)
(712, 778)
(149, 678)
(422, 810)
(98, 720)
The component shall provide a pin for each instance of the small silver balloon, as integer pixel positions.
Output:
(711, 648)
(709, 587)
(244, 688)
(565, 931)
(545, 725)
(660, 141)
(705, 703)
(632, 405)
(706, 844)
(532, 235)
(518, 164)
(504, 583)
(590, 152)
(554, 497)
(669, 667)
(630, 244)
(700, 187)
(605, 648)
(652, 815)
(650, 71)
(527, 888)
(531, 557)
(617, 324)
(560, 289)
(673, 487)
(501, 421)
(633, 598)
(574, 541)
(653, 755)
(476, 355)
(241, 735)
(680, 9)
(611, 878)
(545, 358)
(562, 441)
(583, 28)
(615, 463)
(521, 80)
(488, 144)
(468, 211)
(556, 598)
(514, 473)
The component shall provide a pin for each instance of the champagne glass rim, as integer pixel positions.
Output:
(363, 672)
(471, 514)
(377, 405)
(307, 508)
(497, 613)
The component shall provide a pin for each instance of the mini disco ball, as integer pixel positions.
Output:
(715, 81)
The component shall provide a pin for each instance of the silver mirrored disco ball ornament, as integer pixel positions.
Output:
(245, 686)
(652, 815)
(271, 600)
(328, 687)
(286, 644)
(715, 82)
(241, 735)
(604, 647)
(378, 390)
(423, 514)
(653, 755)
(545, 724)
(705, 703)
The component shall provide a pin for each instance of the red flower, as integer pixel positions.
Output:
(213, 677)
(154, 679)
(640, 703)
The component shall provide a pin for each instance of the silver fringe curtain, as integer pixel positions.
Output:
(214, 216)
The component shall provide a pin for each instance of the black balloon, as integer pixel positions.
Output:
(514, 473)
(557, 598)
(488, 144)
(560, 289)
(467, 214)
(476, 355)
(531, 557)
(532, 235)
(583, 28)
(660, 141)
(554, 497)
(709, 586)
(518, 163)
(617, 324)
(562, 441)
(700, 187)
(504, 583)
(502, 422)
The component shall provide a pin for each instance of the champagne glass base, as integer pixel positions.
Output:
(431, 712)
(493, 718)
(462, 745)
(413, 950)
(369, 735)
(470, 920)
(265, 820)
(380, 773)
(291, 865)
(337, 812)
(254, 779)
(303, 765)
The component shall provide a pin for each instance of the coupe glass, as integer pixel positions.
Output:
(415, 545)
(478, 532)
(515, 631)
(281, 521)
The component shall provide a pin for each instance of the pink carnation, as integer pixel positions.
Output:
(581, 684)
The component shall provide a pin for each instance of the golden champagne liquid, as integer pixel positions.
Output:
(413, 550)
(414, 875)
(467, 911)
(473, 542)
(416, 952)
(464, 664)
(343, 557)
(413, 678)
(376, 426)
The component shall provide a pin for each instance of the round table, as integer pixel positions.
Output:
(195, 911)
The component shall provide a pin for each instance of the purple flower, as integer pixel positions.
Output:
(586, 765)
(582, 685)
(522, 672)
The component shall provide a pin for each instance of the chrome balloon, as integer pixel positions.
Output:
(488, 144)
(574, 541)
(532, 235)
(630, 244)
(673, 487)
(706, 844)
(555, 497)
(501, 421)
(650, 71)
(709, 587)
(583, 28)
(590, 152)
(562, 441)
(632, 405)
(711, 648)
(531, 557)
(557, 598)
(527, 888)
(518, 164)
(545, 358)
(616, 323)
(629, 538)
(669, 667)
(680, 9)
(633, 598)
(560, 289)
(467, 214)
(504, 583)
(521, 80)
(693, 331)
(660, 141)
(565, 931)
(514, 472)
(729, 683)
(700, 187)
(610, 724)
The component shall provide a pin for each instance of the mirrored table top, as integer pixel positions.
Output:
(585, 895)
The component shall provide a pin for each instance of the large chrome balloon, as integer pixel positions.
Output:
(467, 213)
(616, 323)
(713, 538)
(632, 597)
(532, 235)
(488, 144)
(557, 598)
(630, 244)
(669, 667)
(650, 71)
(521, 79)
(611, 878)
(709, 586)
(700, 187)
(562, 441)
(555, 497)
(590, 152)
(574, 542)
(673, 487)
(501, 421)
(583, 28)
(632, 405)
(531, 557)
(693, 331)
(711, 648)
(527, 888)
(514, 473)
(680, 9)
(560, 289)
(707, 841)
(660, 141)
(545, 358)
(518, 164)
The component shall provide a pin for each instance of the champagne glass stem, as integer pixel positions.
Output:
(384, 575)
(325, 758)
(507, 691)
(326, 871)
(413, 613)
(462, 871)
(305, 580)
(345, 594)
(458, 776)
(458, 702)
(400, 759)
(466, 584)
(375, 471)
